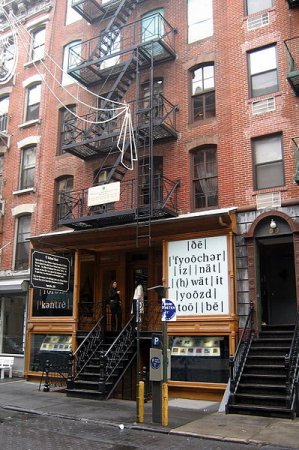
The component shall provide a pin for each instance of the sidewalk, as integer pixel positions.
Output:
(186, 417)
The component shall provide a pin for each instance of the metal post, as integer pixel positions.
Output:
(137, 309)
(164, 386)
(47, 380)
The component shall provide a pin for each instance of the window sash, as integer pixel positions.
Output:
(268, 160)
(254, 6)
(28, 168)
(205, 179)
(22, 242)
(33, 102)
(38, 44)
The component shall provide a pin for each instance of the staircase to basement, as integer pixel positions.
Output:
(104, 365)
(263, 386)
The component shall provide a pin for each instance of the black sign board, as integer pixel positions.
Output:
(50, 272)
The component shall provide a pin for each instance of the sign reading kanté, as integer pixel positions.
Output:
(50, 272)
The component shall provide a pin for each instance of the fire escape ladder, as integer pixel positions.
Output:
(112, 30)
(145, 143)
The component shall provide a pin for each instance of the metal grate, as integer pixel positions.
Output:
(263, 106)
(253, 23)
(268, 200)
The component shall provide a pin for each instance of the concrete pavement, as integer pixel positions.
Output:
(186, 417)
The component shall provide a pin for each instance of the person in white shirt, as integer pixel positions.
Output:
(138, 300)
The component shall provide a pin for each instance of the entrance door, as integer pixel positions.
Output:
(278, 303)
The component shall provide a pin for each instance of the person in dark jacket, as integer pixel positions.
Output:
(115, 307)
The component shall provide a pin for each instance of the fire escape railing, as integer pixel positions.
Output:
(236, 362)
(74, 204)
(292, 368)
(132, 36)
(80, 358)
(81, 131)
(292, 47)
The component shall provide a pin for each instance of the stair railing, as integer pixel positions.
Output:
(118, 352)
(292, 369)
(236, 362)
(80, 358)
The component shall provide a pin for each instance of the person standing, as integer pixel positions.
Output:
(115, 307)
(138, 300)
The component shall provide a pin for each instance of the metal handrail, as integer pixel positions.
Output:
(237, 361)
(83, 354)
(292, 367)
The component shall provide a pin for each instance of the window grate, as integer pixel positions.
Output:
(263, 106)
(268, 200)
(253, 23)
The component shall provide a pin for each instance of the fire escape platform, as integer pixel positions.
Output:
(92, 71)
(93, 10)
(293, 3)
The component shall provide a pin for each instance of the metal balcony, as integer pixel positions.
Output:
(95, 10)
(293, 3)
(93, 61)
(89, 141)
(292, 47)
(133, 204)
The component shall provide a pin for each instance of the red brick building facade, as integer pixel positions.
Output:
(213, 99)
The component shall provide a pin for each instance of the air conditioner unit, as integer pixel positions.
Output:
(2, 206)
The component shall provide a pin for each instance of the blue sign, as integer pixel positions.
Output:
(168, 310)
(157, 340)
(155, 362)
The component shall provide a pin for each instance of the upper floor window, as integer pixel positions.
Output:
(64, 187)
(253, 6)
(71, 14)
(200, 19)
(27, 172)
(33, 94)
(1, 173)
(263, 71)
(67, 122)
(22, 243)
(152, 25)
(4, 104)
(268, 162)
(115, 48)
(71, 58)
(203, 92)
(38, 44)
(205, 180)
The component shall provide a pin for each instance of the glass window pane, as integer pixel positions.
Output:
(267, 150)
(38, 44)
(34, 94)
(254, 6)
(198, 112)
(197, 82)
(264, 83)
(13, 309)
(200, 19)
(152, 25)
(262, 60)
(208, 77)
(22, 245)
(71, 14)
(210, 110)
(269, 175)
(71, 58)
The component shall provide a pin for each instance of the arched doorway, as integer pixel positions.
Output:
(272, 269)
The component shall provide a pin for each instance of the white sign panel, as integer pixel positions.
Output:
(105, 193)
(198, 276)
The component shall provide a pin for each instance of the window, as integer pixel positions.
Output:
(4, 104)
(38, 44)
(205, 181)
(157, 99)
(263, 71)
(27, 167)
(253, 6)
(8, 57)
(1, 173)
(13, 310)
(67, 122)
(203, 93)
(71, 58)
(32, 102)
(71, 14)
(200, 19)
(152, 25)
(64, 202)
(268, 161)
(22, 242)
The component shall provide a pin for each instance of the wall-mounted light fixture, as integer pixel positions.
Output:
(273, 228)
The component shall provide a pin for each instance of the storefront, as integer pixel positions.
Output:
(13, 310)
(193, 255)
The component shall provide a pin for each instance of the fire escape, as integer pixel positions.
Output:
(114, 65)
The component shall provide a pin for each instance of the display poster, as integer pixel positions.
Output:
(105, 193)
(198, 276)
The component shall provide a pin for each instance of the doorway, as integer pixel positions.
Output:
(278, 304)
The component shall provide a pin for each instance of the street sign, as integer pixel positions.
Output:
(168, 310)
(157, 340)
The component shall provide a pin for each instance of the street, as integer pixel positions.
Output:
(22, 431)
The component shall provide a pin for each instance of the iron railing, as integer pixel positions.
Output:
(74, 205)
(292, 367)
(115, 361)
(236, 362)
(132, 35)
(80, 358)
